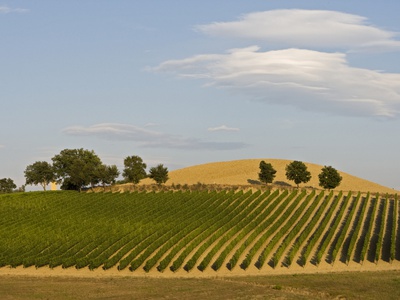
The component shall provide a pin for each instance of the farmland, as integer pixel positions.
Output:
(199, 233)
(346, 285)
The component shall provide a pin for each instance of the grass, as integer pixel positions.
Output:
(363, 285)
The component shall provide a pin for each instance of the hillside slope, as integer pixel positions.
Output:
(242, 172)
(198, 233)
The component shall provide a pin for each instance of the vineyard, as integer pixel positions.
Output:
(186, 231)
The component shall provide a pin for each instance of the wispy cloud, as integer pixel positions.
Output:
(7, 10)
(306, 28)
(148, 138)
(150, 124)
(311, 80)
(222, 128)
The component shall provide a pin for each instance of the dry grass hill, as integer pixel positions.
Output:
(244, 172)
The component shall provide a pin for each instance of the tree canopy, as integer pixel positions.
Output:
(267, 172)
(40, 172)
(76, 168)
(159, 174)
(297, 171)
(329, 178)
(135, 169)
(7, 185)
(107, 174)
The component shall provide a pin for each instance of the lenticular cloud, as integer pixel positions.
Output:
(306, 29)
(307, 79)
(148, 138)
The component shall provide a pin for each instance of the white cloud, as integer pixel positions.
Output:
(306, 28)
(148, 138)
(6, 10)
(223, 128)
(311, 80)
(2, 146)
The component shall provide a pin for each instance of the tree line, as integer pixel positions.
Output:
(75, 169)
(297, 171)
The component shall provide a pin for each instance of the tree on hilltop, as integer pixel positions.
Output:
(329, 178)
(76, 168)
(267, 172)
(107, 174)
(159, 174)
(40, 172)
(297, 171)
(135, 169)
(7, 185)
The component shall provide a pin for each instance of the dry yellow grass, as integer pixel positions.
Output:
(239, 172)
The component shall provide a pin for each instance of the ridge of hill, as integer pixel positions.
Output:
(245, 172)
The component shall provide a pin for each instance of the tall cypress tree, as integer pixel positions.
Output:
(267, 172)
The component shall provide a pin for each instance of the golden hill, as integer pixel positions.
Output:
(242, 172)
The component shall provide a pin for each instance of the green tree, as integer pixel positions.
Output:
(329, 178)
(297, 172)
(40, 172)
(135, 169)
(7, 185)
(159, 174)
(107, 175)
(76, 168)
(267, 172)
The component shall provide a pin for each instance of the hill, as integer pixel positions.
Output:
(244, 172)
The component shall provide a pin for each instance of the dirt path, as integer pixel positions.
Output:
(208, 273)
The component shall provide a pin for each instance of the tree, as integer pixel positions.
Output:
(21, 189)
(159, 174)
(135, 169)
(329, 178)
(76, 168)
(107, 174)
(297, 172)
(7, 185)
(267, 172)
(40, 172)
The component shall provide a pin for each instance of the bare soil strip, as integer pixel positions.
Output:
(323, 267)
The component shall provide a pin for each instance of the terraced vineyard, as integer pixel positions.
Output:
(185, 231)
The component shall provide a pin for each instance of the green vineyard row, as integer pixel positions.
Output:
(169, 231)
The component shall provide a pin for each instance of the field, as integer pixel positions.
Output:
(245, 171)
(363, 285)
(246, 243)
(199, 234)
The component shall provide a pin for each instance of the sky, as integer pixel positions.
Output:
(184, 83)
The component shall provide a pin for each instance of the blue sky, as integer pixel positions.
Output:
(190, 82)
